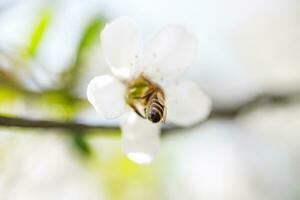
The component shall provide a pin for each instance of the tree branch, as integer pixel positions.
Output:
(76, 127)
(48, 124)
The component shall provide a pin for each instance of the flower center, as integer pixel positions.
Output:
(146, 99)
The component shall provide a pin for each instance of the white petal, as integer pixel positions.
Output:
(169, 53)
(106, 94)
(120, 42)
(140, 139)
(186, 103)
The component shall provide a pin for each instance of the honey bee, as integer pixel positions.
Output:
(146, 99)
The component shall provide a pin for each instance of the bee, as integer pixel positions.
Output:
(146, 99)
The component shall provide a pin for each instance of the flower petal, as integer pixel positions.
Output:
(106, 94)
(140, 139)
(169, 53)
(120, 42)
(186, 103)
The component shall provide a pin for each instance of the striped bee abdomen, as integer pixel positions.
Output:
(155, 109)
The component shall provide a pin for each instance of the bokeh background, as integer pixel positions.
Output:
(249, 64)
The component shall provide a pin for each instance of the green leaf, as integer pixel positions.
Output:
(90, 35)
(81, 144)
(38, 33)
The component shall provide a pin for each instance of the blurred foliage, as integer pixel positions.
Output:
(123, 178)
(60, 102)
(54, 103)
(91, 35)
(90, 38)
(81, 144)
(6, 94)
(38, 33)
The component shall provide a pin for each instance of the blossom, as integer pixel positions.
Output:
(161, 62)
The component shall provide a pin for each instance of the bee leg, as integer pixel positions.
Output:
(136, 110)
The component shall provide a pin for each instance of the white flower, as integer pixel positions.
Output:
(162, 61)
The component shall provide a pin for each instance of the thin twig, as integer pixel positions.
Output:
(76, 127)
(48, 124)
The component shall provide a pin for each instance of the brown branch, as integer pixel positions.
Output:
(255, 102)
(49, 124)
(76, 127)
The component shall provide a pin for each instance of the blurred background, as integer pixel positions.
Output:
(249, 64)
